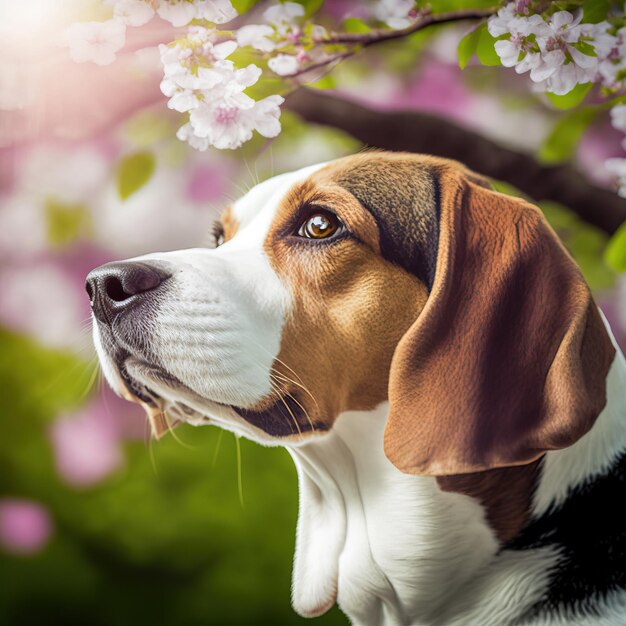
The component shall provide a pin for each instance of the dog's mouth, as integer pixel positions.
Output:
(168, 402)
(144, 384)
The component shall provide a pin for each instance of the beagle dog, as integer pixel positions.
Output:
(432, 359)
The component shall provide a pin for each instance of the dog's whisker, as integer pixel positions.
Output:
(281, 362)
(218, 445)
(239, 471)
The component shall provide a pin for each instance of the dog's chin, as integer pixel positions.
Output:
(168, 402)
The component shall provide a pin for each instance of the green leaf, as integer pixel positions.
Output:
(485, 49)
(560, 145)
(586, 48)
(467, 47)
(615, 253)
(133, 172)
(595, 11)
(267, 87)
(311, 7)
(241, 6)
(66, 222)
(571, 99)
(355, 25)
(326, 82)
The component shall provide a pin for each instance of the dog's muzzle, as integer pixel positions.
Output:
(115, 288)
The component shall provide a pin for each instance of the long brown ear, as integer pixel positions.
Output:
(509, 356)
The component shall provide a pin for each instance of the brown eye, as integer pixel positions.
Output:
(319, 226)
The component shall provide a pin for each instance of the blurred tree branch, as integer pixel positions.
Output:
(414, 131)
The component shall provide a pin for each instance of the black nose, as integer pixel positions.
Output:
(115, 287)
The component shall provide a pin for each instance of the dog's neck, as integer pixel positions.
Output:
(393, 548)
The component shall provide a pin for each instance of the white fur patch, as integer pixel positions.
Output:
(394, 548)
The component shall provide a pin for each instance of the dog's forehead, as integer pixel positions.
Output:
(260, 204)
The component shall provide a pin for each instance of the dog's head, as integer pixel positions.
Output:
(375, 277)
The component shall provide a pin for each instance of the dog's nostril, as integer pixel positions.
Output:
(115, 289)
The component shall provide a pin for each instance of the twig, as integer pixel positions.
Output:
(360, 41)
(380, 35)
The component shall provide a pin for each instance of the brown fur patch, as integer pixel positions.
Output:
(505, 492)
(350, 306)
(229, 223)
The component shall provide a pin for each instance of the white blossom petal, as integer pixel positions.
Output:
(216, 11)
(583, 60)
(177, 12)
(283, 64)
(564, 80)
(257, 36)
(508, 52)
(95, 41)
(133, 12)
(618, 117)
(284, 13)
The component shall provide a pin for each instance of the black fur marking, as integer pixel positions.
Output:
(405, 206)
(590, 530)
(285, 417)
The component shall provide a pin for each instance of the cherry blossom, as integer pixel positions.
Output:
(257, 36)
(229, 124)
(86, 445)
(395, 13)
(185, 81)
(216, 11)
(618, 117)
(133, 12)
(283, 15)
(617, 167)
(177, 13)
(25, 526)
(284, 64)
(95, 41)
(549, 49)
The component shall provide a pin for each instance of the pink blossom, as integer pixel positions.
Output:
(86, 445)
(95, 41)
(25, 526)
(133, 12)
(229, 124)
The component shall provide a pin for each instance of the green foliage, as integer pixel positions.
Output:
(467, 47)
(615, 253)
(241, 6)
(560, 145)
(571, 99)
(133, 172)
(326, 82)
(66, 222)
(165, 543)
(355, 25)
(595, 11)
(267, 86)
(311, 7)
(585, 242)
(481, 43)
(485, 51)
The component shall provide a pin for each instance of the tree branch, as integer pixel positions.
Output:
(359, 41)
(422, 21)
(414, 131)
